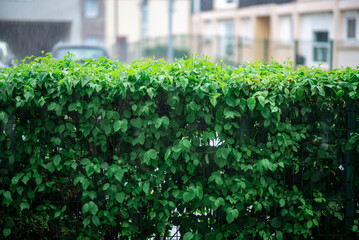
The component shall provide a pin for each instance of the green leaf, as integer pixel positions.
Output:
(213, 98)
(51, 167)
(56, 140)
(251, 102)
(85, 161)
(186, 197)
(57, 214)
(309, 224)
(120, 197)
(137, 122)
(188, 236)
(158, 123)
(139, 140)
(7, 198)
(106, 186)
(93, 208)
(191, 117)
(119, 174)
(24, 205)
(95, 220)
(175, 193)
(120, 124)
(124, 125)
(150, 154)
(266, 113)
(219, 202)
(282, 202)
(74, 165)
(85, 208)
(231, 214)
(51, 106)
(191, 192)
(117, 125)
(186, 143)
(276, 222)
(221, 161)
(86, 222)
(57, 160)
(261, 100)
(218, 180)
(300, 92)
(16, 178)
(6, 232)
(165, 122)
(146, 187)
(218, 128)
(207, 118)
(72, 107)
(4, 117)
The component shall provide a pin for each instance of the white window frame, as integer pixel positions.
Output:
(247, 34)
(208, 31)
(227, 39)
(351, 15)
(285, 41)
(196, 6)
(325, 45)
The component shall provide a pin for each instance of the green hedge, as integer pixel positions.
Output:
(106, 151)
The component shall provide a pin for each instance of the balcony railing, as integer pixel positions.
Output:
(247, 3)
(238, 50)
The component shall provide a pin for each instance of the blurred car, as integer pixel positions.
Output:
(79, 52)
(6, 56)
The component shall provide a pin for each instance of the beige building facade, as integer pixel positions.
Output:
(308, 32)
(132, 21)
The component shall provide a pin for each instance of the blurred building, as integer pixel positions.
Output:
(93, 21)
(32, 26)
(137, 28)
(311, 32)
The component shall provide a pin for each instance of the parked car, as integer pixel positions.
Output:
(79, 52)
(6, 56)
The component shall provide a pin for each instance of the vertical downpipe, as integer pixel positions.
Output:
(331, 55)
(295, 53)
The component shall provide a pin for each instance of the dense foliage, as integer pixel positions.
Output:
(106, 150)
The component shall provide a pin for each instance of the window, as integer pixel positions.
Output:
(321, 46)
(91, 8)
(321, 36)
(247, 30)
(286, 29)
(208, 28)
(351, 25)
(351, 28)
(226, 40)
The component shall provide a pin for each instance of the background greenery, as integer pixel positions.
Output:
(106, 150)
